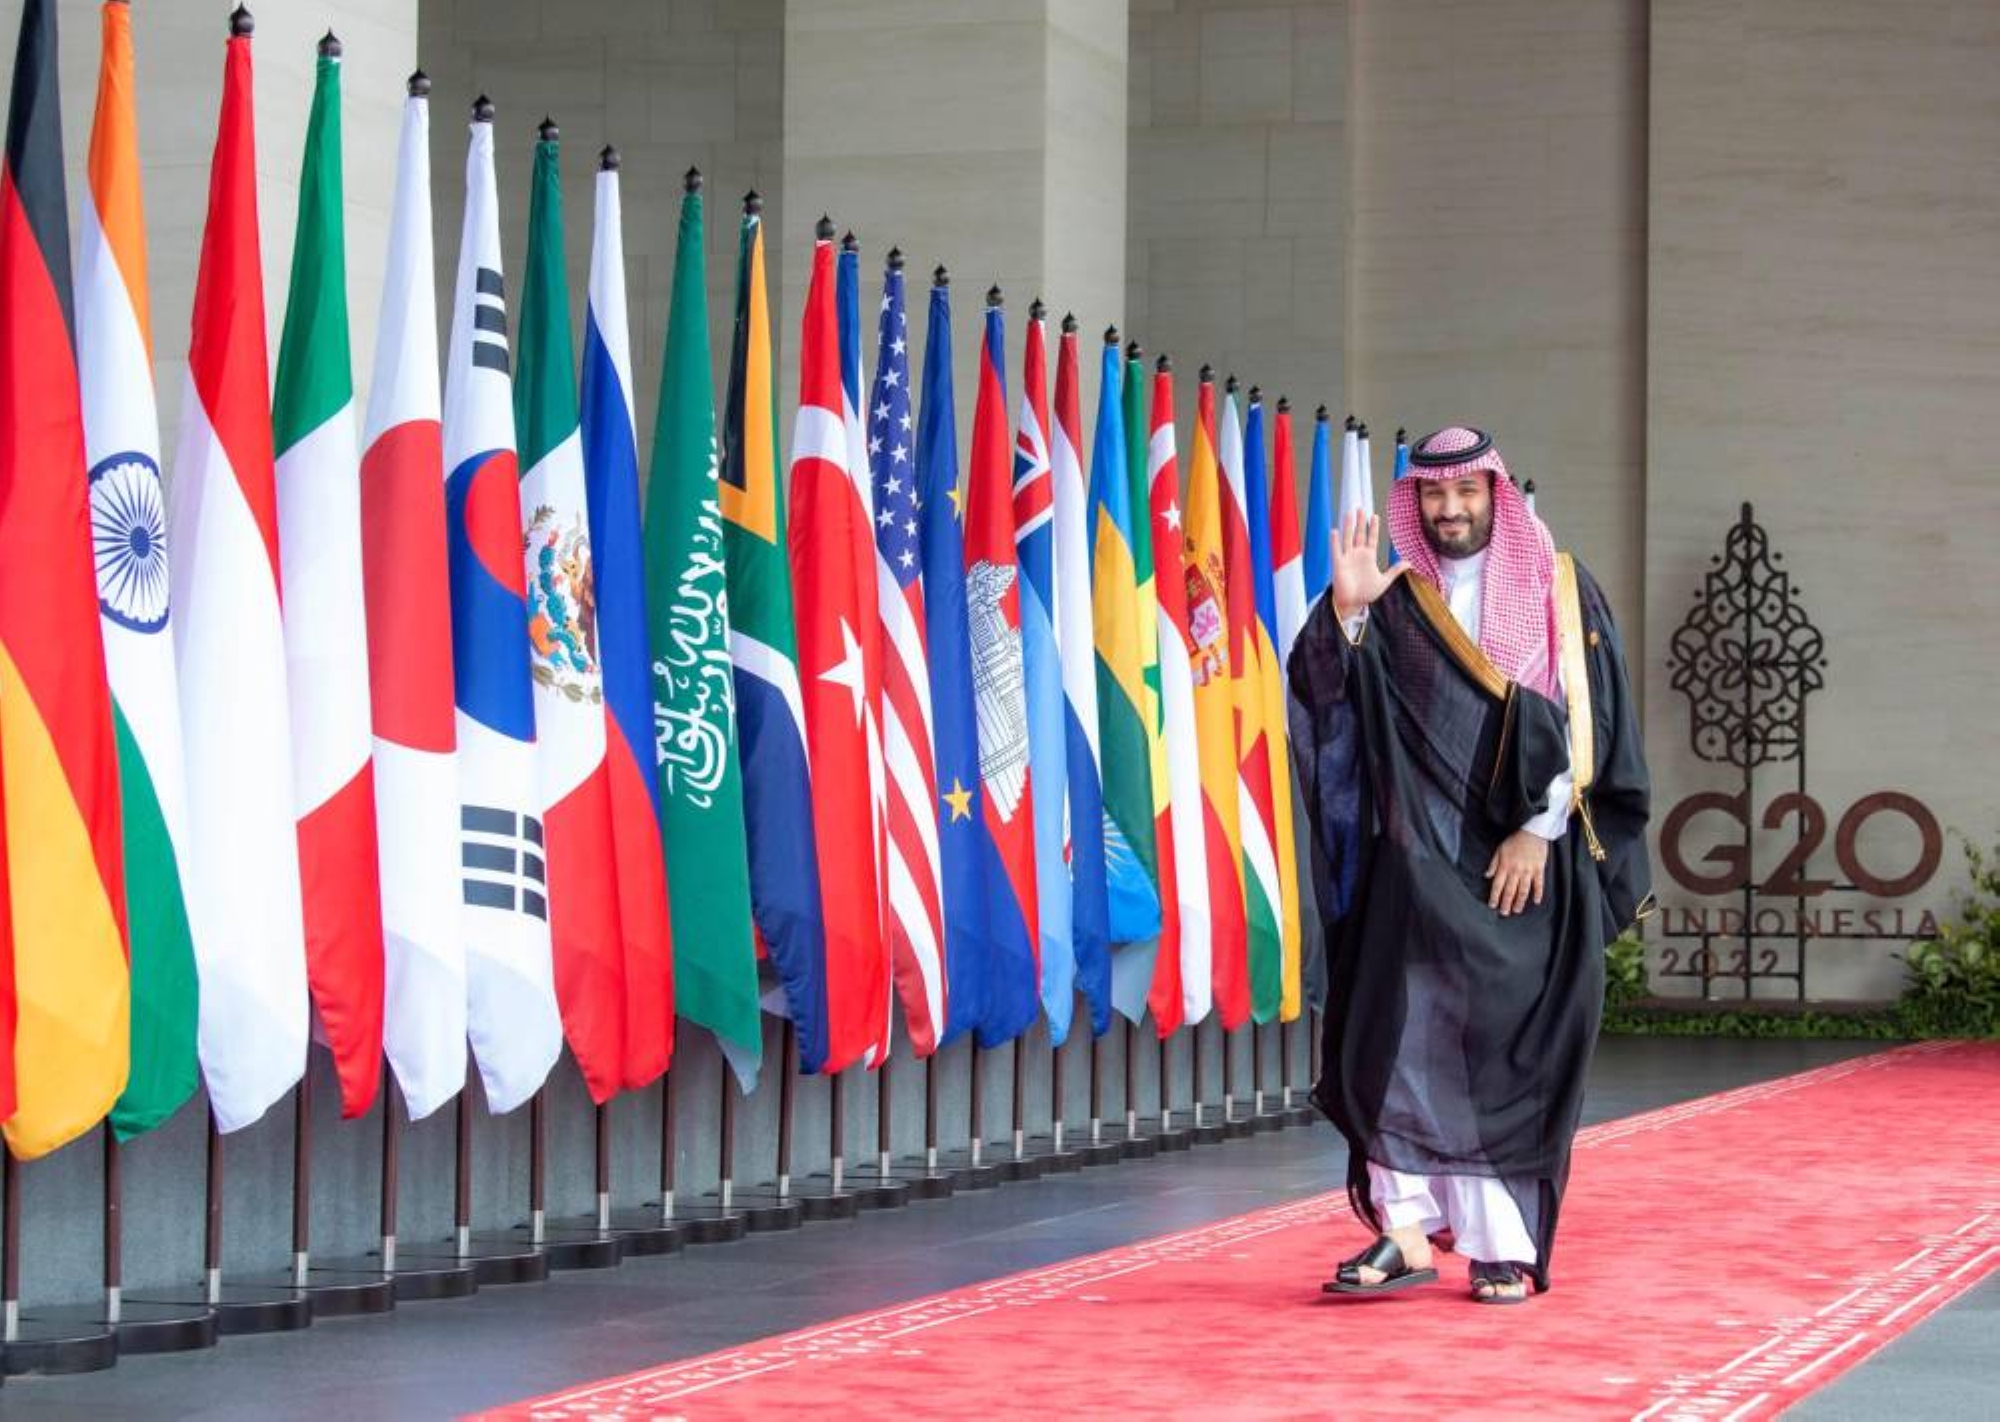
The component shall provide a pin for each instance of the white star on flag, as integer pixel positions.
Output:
(847, 671)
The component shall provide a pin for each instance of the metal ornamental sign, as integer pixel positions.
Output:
(1748, 659)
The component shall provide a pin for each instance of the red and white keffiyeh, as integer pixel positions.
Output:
(1517, 624)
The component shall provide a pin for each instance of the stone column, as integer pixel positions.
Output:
(988, 135)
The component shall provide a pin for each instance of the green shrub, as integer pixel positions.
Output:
(1624, 970)
(1953, 988)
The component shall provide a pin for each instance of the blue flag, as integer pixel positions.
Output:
(964, 848)
(1319, 512)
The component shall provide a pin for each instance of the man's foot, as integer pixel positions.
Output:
(1396, 1260)
(1498, 1283)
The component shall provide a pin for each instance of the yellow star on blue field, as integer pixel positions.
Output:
(960, 800)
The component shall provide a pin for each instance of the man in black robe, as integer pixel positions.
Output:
(1477, 797)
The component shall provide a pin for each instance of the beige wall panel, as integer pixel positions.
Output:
(1825, 341)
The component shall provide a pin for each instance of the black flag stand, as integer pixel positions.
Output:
(1125, 1136)
(1296, 1111)
(925, 1178)
(875, 1183)
(1206, 1131)
(1170, 1137)
(969, 1168)
(79, 1342)
(715, 1220)
(492, 1261)
(604, 1235)
(416, 1278)
(1019, 1165)
(1097, 1150)
(1234, 1127)
(338, 1288)
(1053, 1151)
(774, 1207)
(584, 1247)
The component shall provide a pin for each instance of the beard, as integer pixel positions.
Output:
(1460, 538)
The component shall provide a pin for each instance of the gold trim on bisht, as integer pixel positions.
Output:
(1576, 691)
(1464, 651)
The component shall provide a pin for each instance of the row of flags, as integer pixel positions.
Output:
(402, 729)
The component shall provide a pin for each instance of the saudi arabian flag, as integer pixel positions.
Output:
(694, 702)
(128, 523)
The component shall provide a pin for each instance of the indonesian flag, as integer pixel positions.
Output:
(64, 992)
(1263, 896)
(833, 577)
(407, 584)
(1211, 660)
(574, 785)
(326, 624)
(244, 896)
(1183, 836)
(511, 1015)
(129, 526)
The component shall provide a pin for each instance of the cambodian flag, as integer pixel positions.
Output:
(993, 625)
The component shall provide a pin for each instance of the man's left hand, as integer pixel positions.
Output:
(1515, 875)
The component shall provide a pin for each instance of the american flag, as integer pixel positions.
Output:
(916, 898)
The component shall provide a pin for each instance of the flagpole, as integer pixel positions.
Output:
(114, 1231)
(462, 1185)
(302, 1176)
(391, 1164)
(10, 1248)
(788, 1069)
(976, 1114)
(882, 1143)
(930, 1114)
(836, 1119)
(1257, 1036)
(1096, 1090)
(538, 1151)
(603, 1166)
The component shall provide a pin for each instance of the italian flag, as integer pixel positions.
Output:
(326, 621)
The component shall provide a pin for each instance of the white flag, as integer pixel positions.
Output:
(510, 978)
(409, 653)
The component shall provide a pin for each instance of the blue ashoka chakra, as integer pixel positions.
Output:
(128, 532)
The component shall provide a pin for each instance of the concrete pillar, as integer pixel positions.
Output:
(988, 135)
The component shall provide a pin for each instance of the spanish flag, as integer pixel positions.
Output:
(1206, 577)
(64, 986)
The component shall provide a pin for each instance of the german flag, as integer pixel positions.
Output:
(64, 983)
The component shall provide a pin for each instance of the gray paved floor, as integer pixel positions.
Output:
(435, 1360)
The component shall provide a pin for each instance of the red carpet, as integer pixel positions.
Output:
(1718, 1259)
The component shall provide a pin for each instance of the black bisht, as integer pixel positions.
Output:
(1456, 1040)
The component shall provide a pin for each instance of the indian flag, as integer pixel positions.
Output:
(128, 515)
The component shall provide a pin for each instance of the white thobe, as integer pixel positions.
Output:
(1482, 1215)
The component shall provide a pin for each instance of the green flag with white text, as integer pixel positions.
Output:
(694, 704)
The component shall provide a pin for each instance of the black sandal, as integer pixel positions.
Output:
(1384, 1255)
(1495, 1277)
